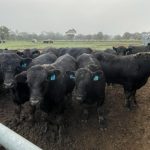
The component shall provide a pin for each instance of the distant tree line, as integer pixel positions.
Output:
(7, 34)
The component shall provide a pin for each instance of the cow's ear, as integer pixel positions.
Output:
(114, 48)
(97, 76)
(25, 62)
(53, 75)
(19, 53)
(71, 74)
(22, 77)
(36, 53)
(93, 67)
(129, 51)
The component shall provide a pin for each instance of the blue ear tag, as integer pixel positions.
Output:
(72, 76)
(24, 65)
(96, 78)
(53, 77)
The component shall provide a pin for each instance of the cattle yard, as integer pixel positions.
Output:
(126, 130)
(100, 45)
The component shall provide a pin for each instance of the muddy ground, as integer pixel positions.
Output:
(127, 130)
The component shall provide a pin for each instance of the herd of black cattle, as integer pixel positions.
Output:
(47, 78)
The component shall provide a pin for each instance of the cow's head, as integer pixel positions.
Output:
(39, 78)
(121, 50)
(84, 77)
(11, 66)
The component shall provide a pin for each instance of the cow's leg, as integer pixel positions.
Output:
(68, 101)
(15, 98)
(32, 110)
(18, 109)
(16, 119)
(101, 112)
(85, 113)
(60, 128)
(134, 102)
(129, 95)
(59, 114)
(130, 99)
(127, 98)
(46, 121)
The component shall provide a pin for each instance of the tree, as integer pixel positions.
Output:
(117, 37)
(126, 36)
(137, 36)
(106, 37)
(4, 33)
(99, 36)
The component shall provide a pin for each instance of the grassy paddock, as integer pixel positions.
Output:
(99, 45)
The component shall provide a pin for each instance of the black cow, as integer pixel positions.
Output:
(49, 84)
(90, 84)
(50, 50)
(48, 41)
(137, 49)
(131, 71)
(11, 64)
(55, 75)
(29, 53)
(110, 51)
(21, 93)
(3, 50)
(2, 41)
(74, 52)
(47, 58)
(121, 50)
(8, 51)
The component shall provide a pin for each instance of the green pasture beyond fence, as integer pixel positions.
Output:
(98, 45)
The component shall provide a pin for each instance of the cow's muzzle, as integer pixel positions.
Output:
(35, 100)
(79, 98)
(8, 85)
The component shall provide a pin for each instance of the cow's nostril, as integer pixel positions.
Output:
(35, 101)
(79, 98)
(8, 85)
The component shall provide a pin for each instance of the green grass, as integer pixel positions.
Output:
(99, 45)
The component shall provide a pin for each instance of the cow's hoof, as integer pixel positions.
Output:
(135, 105)
(84, 120)
(128, 109)
(23, 118)
(103, 124)
(84, 117)
(128, 106)
(131, 107)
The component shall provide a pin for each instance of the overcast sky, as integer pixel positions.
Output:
(86, 16)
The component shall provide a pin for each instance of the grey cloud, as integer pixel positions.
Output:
(86, 16)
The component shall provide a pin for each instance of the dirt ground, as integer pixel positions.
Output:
(127, 130)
